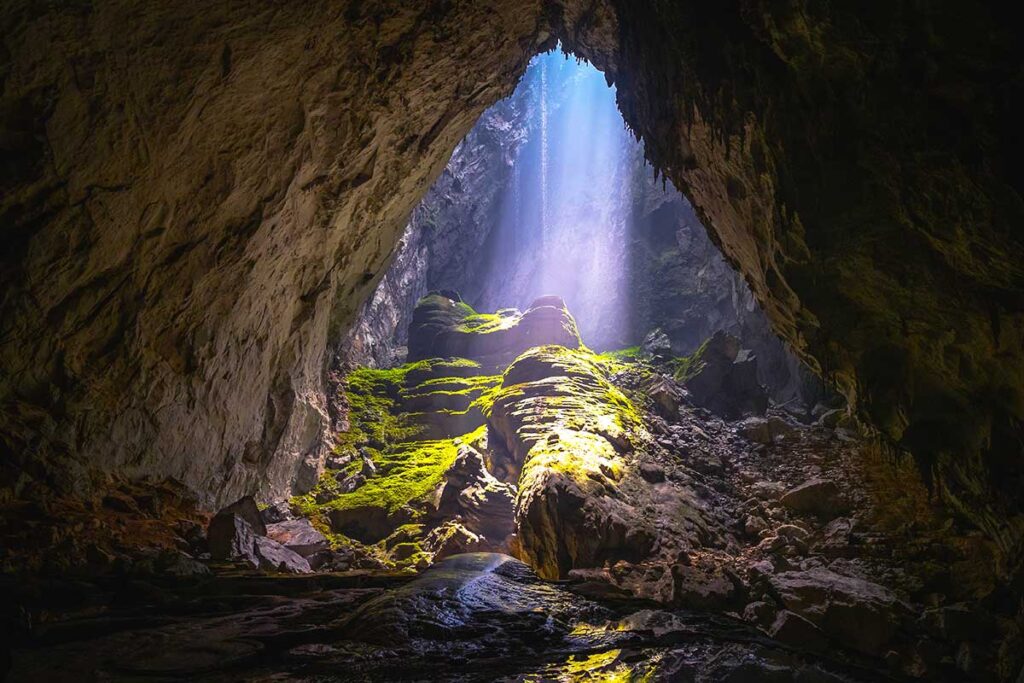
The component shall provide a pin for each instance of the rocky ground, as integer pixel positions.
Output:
(656, 539)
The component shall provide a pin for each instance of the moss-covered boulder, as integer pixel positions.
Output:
(432, 319)
(442, 327)
(396, 484)
(575, 437)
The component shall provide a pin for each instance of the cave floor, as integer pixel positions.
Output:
(475, 617)
(748, 549)
(487, 617)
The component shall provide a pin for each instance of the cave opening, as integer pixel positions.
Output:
(257, 423)
(551, 193)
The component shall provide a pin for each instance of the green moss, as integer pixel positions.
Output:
(441, 368)
(631, 353)
(567, 388)
(457, 383)
(484, 323)
(485, 401)
(407, 474)
(371, 395)
(685, 367)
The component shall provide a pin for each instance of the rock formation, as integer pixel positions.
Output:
(595, 469)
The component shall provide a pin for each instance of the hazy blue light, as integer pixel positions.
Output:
(566, 213)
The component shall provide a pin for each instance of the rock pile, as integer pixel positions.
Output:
(239, 533)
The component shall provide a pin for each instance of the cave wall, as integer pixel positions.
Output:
(196, 198)
(444, 243)
(858, 165)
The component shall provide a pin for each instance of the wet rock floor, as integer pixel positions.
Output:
(473, 617)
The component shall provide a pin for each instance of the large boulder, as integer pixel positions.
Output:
(816, 496)
(666, 394)
(722, 378)
(231, 537)
(451, 538)
(581, 496)
(272, 556)
(861, 614)
(433, 318)
(247, 509)
(766, 430)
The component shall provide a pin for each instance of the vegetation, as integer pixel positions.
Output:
(406, 473)
(484, 323)
(685, 367)
(628, 354)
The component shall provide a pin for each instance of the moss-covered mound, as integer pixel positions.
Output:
(387, 477)
(442, 327)
(576, 438)
(445, 455)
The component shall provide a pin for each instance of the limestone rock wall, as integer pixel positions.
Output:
(199, 199)
(443, 244)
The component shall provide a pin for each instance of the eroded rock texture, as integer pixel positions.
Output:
(198, 201)
(199, 196)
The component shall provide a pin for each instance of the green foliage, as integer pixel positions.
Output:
(630, 353)
(373, 420)
(484, 323)
(685, 367)
(406, 473)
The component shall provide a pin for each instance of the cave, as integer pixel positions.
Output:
(522, 340)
